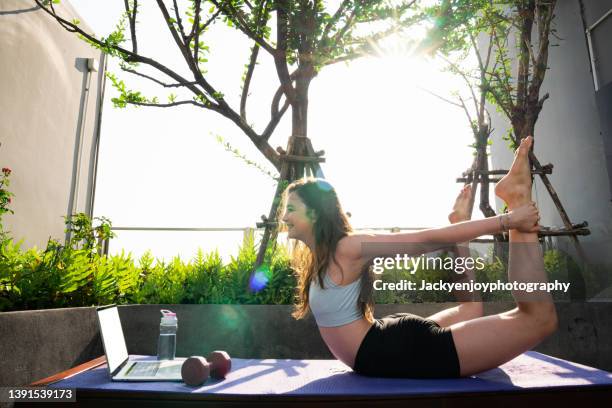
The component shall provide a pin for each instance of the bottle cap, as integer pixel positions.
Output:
(169, 317)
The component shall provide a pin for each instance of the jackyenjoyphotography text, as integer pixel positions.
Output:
(471, 286)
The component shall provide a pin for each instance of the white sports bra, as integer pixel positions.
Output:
(335, 305)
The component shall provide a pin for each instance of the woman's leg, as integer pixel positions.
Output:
(470, 306)
(490, 341)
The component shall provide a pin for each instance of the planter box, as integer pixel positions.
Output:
(39, 343)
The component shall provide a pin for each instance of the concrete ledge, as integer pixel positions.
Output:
(36, 344)
(245, 331)
(39, 343)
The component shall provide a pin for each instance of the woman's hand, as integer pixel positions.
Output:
(525, 218)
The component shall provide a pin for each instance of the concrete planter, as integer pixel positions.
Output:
(36, 344)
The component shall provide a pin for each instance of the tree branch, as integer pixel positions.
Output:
(222, 107)
(483, 80)
(157, 81)
(179, 21)
(526, 15)
(343, 58)
(132, 19)
(260, 18)
(531, 54)
(477, 51)
(467, 113)
(277, 113)
(458, 70)
(196, 20)
(280, 56)
(63, 23)
(349, 23)
(542, 99)
(169, 104)
(274, 108)
(334, 19)
(129, 56)
(184, 48)
(247, 80)
(195, 30)
(440, 97)
(126, 54)
(366, 46)
(236, 16)
(198, 29)
(541, 62)
(501, 55)
(175, 34)
(505, 108)
(274, 120)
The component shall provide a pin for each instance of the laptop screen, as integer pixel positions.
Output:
(112, 337)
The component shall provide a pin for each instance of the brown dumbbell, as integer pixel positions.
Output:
(195, 370)
(220, 363)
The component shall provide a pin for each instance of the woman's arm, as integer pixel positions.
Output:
(366, 245)
(461, 231)
(369, 245)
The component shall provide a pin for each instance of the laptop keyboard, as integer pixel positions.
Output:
(142, 369)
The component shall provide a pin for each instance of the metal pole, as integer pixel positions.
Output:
(101, 89)
(592, 58)
(590, 43)
(79, 142)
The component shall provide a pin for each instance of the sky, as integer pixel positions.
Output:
(392, 150)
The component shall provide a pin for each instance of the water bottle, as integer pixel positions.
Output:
(166, 347)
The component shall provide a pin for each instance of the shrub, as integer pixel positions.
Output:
(79, 275)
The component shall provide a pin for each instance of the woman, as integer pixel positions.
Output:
(334, 284)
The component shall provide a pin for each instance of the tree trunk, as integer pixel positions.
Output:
(299, 120)
(298, 145)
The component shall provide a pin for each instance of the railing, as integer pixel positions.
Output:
(248, 231)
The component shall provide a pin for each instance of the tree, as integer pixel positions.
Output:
(307, 38)
(505, 35)
(517, 96)
(457, 29)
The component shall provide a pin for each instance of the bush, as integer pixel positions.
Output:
(79, 275)
(5, 198)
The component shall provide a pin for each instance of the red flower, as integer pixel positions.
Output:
(6, 170)
(10, 201)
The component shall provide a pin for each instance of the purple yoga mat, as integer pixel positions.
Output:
(530, 370)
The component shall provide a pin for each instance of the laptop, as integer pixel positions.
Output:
(120, 366)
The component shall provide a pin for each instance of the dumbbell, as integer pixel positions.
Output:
(196, 369)
(220, 362)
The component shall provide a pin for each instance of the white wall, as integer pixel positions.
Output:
(45, 109)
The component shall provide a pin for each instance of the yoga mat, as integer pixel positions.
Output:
(531, 370)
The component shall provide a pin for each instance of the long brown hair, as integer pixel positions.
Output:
(329, 226)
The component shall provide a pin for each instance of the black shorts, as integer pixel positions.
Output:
(408, 346)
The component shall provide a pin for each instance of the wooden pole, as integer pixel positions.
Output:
(297, 161)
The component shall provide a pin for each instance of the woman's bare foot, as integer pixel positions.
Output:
(515, 187)
(461, 209)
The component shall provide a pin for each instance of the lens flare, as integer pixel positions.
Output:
(232, 317)
(260, 278)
